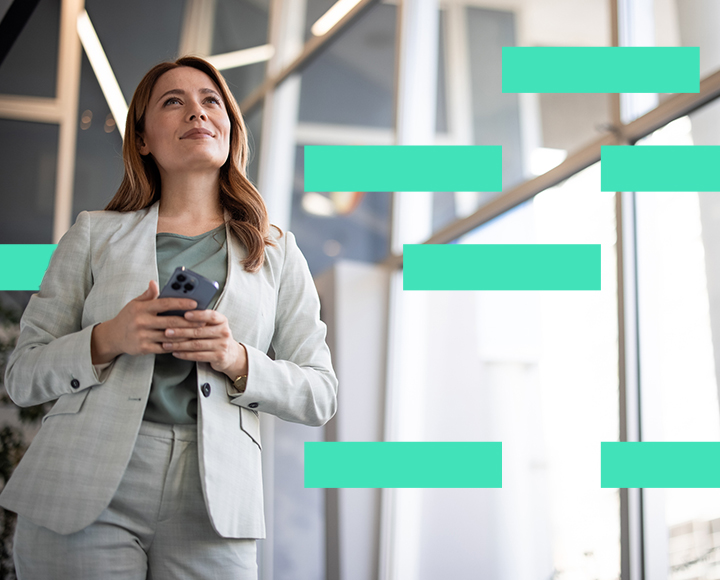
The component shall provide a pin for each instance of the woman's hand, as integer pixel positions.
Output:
(212, 343)
(137, 329)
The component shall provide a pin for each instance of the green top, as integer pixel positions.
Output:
(173, 393)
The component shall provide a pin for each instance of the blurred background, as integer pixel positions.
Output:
(550, 374)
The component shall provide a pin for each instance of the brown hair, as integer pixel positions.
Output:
(140, 186)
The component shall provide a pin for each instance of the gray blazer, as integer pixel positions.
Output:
(74, 465)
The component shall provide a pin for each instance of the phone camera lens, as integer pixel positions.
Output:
(189, 287)
(175, 286)
(181, 278)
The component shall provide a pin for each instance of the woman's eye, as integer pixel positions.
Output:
(214, 100)
(172, 99)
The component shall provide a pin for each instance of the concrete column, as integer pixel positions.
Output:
(415, 110)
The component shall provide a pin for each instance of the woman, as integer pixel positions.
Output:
(149, 462)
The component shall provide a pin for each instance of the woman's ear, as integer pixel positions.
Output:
(142, 147)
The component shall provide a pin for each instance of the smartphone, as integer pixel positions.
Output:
(185, 283)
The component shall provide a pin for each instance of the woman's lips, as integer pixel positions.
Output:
(197, 134)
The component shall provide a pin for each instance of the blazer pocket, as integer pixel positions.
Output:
(68, 404)
(250, 423)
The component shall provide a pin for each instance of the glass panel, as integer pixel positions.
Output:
(678, 251)
(564, 122)
(30, 67)
(28, 164)
(240, 25)
(689, 23)
(536, 131)
(364, 62)
(496, 116)
(535, 370)
(342, 225)
(352, 82)
(351, 87)
(98, 161)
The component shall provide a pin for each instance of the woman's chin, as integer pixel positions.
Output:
(193, 165)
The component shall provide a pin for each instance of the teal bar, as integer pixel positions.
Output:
(659, 168)
(24, 265)
(403, 168)
(664, 465)
(601, 69)
(403, 464)
(501, 267)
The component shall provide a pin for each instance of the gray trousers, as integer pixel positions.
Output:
(156, 526)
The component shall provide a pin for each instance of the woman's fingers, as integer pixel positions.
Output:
(208, 316)
(155, 337)
(198, 324)
(200, 337)
(175, 323)
(193, 345)
(184, 333)
(197, 356)
(165, 304)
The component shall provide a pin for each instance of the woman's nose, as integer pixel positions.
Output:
(197, 111)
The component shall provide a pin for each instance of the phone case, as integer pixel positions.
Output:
(185, 283)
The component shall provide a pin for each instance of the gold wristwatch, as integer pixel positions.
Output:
(240, 383)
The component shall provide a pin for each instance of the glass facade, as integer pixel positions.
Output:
(537, 371)
(679, 321)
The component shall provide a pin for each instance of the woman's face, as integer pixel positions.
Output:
(187, 127)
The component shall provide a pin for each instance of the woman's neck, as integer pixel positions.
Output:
(190, 197)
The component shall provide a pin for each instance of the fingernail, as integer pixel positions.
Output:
(189, 314)
(167, 345)
(170, 332)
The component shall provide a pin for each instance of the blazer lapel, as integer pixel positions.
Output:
(248, 299)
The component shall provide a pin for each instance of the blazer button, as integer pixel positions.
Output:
(75, 384)
(253, 405)
(205, 389)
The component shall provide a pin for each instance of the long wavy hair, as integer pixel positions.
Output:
(140, 186)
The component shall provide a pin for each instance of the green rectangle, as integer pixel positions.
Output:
(660, 168)
(403, 168)
(24, 265)
(403, 464)
(600, 69)
(501, 267)
(656, 464)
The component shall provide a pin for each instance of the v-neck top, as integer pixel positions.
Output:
(173, 393)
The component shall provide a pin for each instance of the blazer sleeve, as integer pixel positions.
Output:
(300, 384)
(52, 356)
